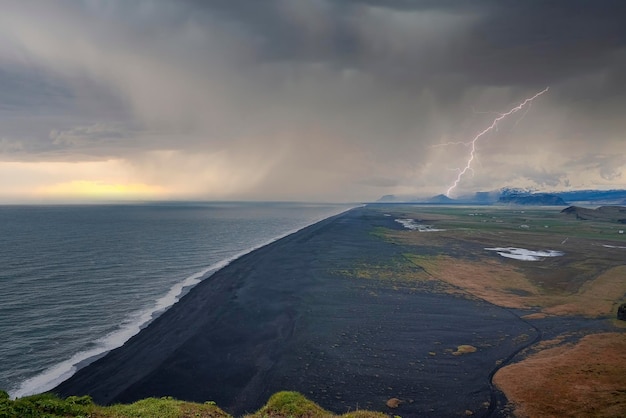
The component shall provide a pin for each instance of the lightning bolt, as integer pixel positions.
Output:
(472, 143)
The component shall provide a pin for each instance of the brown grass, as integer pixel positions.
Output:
(504, 285)
(489, 280)
(584, 380)
(598, 297)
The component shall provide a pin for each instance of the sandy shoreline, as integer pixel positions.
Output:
(284, 318)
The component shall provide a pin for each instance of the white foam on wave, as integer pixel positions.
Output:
(130, 327)
(524, 254)
(414, 226)
(62, 371)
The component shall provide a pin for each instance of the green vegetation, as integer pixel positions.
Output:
(587, 280)
(280, 405)
(50, 406)
(497, 219)
(45, 405)
(290, 404)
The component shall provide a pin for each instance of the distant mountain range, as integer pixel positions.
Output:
(510, 196)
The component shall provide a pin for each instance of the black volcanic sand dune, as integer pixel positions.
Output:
(283, 318)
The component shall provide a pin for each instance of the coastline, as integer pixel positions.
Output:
(283, 317)
(136, 321)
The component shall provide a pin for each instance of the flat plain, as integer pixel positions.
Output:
(569, 292)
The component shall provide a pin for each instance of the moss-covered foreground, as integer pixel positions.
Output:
(282, 404)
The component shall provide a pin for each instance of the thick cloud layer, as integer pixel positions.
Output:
(310, 99)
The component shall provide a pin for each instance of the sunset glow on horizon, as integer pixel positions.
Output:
(74, 181)
(100, 190)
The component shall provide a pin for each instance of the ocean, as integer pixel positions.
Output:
(78, 281)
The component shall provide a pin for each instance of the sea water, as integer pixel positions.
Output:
(78, 281)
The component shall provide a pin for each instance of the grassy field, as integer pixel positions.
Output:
(589, 279)
(280, 405)
(580, 376)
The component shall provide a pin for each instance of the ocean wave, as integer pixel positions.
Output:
(63, 370)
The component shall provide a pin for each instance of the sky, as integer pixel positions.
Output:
(308, 100)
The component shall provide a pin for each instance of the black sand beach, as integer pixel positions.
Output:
(284, 318)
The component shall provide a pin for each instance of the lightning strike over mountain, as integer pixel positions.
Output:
(472, 143)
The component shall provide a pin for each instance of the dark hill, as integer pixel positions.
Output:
(603, 213)
(441, 198)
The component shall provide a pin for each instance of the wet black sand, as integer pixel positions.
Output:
(283, 318)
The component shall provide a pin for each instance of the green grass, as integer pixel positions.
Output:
(45, 405)
(583, 281)
(290, 404)
(165, 408)
(280, 405)
(496, 219)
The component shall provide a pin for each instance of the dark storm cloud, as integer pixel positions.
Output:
(29, 90)
(544, 42)
(607, 165)
(508, 42)
(519, 45)
(293, 98)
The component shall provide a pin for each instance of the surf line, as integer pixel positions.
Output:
(136, 321)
